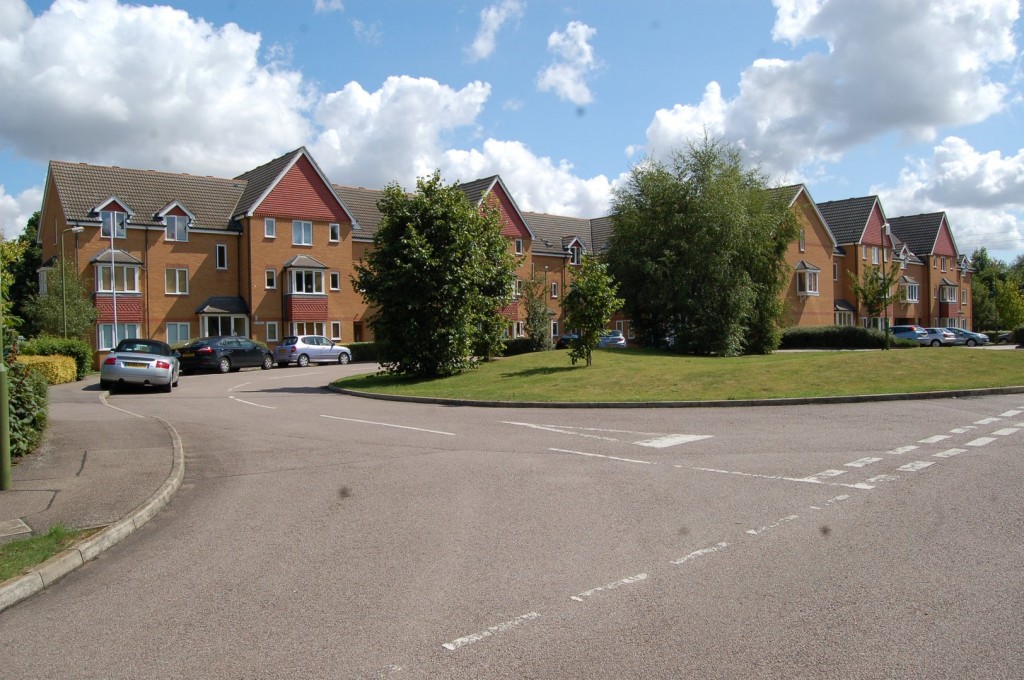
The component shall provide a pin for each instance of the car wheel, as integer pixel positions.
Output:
(935, 343)
(166, 388)
(282, 364)
(303, 360)
(344, 358)
(971, 342)
(224, 365)
(106, 384)
(268, 363)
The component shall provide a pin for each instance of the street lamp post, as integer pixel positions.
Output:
(63, 276)
(885, 310)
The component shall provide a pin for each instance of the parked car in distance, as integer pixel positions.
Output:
(224, 353)
(311, 349)
(1004, 338)
(564, 340)
(965, 337)
(140, 362)
(938, 336)
(910, 333)
(612, 339)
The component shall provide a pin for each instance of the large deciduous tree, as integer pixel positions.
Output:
(538, 316)
(63, 305)
(436, 277)
(698, 248)
(589, 306)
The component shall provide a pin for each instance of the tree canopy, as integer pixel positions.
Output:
(698, 248)
(589, 306)
(63, 305)
(538, 316)
(436, 278)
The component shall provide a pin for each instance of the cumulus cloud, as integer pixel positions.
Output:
(15, 210)
(369, 34)
(165, 92)
(492, 18)
(981, 192)
(321, 6)
(574, 62)
(907, 67)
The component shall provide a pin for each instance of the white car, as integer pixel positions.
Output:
(938, 336)
(310, 349)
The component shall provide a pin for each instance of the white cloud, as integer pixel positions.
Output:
(15, 210)
(321, 6)
(492, 18)
(369, 34)
(981, 192)
(130, 104)
(574, 62)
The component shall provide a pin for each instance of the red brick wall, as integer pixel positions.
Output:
(301, 194)
(129, 308)
(302, 308)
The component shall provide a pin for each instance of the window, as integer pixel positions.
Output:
(911, 292)
(575, 254)
(947, 294)
(885, 254)
(272, 331)
(835, 271)
(942, 262)
(335, 232)
(519, 246)
(554, 289)
(935, 263)
(519, 287)
(335, 281)
(802, 241)
(177, 228)
(271, 278)
(307, 328)
(863, 252)
(176, 281)
(223, 324)
(963, 296)
(113, 223)
(807, 282)
(302, 233)
(177, 333)
(626, 328)
(43, 273)
(308, 282)
(126, 278)
(270, 227)
(124, 330)
(874, 254)
(517, 329)
(221, 251)
(335, 330)
(844, 318)
(554, 329)
(903, 263)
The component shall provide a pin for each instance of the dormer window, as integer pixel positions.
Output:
(177, 227)
(113, 223)
(575, 254)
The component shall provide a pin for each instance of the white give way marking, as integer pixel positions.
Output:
(658, 442)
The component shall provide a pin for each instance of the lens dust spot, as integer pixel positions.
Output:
(825, 530)
(344, 492)
(684, 531)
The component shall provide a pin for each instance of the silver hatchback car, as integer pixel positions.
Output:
(310, 349)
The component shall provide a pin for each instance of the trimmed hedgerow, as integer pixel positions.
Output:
(57, 369)
(518, 346)
(27, 390)
(79, 350)
(838, 337)
(363, 351)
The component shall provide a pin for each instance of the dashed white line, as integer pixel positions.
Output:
(962, 430)
(243, 401)
(241, 385)
(916, 465)
(980, 441)
(987, 421)
(400, 427)
(500, 628)
(902, 449)
(934, 440)
(598, 455)
(701, 553)
(551, 428)
(611, 586)
(814, 479)
(862, 462)
(1007, 431)
(948, 453)
(825, 474)
(773, 525)
(672, 440)
(1010, 414)
(877, 479)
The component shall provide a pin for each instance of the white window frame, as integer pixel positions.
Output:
(307, 328)
(864, 252)
(576, 254)
(176, 228)
(554, 329)
(270, 279)
(336, 331)
(844, 318)
(220, 258)
(335, 281)
(519, 246)
(807, 283)
(124, 269)
(109, 220)
(554, 290)
(802, 241)
(835, 271)
(519, 288)
(942, 263)
(963, 297)
(178, 326)
(948, 294)
(874, 255)
(174, 277)
(911, 292)
(302, 233)
(316, 279)
(237, 328)
(334, 232)
(105, 332)
(269, 227)
(271, 331)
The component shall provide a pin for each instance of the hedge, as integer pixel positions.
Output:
(838, 337)
(57, 370)
(79, 350)
(29, 405)
(363, 351)
(518, 346)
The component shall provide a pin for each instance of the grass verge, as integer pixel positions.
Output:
(645, 375)
(20, 555)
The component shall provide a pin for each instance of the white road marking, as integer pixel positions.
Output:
(237, 386)
(400, 427)
(962, 430)
(1010, 414)
(701, 553)
(500, 628)
(877, 479)
(598, 455)
(777, 523)
(948, 453)
(103, 398)
(902, 449)
(611, 586)
(916, 465)
(806, 480)
(825, 475)
(980, 441)
(986, 421)
(836, 499)
(672, 440)
(550, 428)
(1007, 431)
(862, 462)
(243, 401)
(934, 440)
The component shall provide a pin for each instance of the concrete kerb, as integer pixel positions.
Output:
(711, 403)
(60, 565)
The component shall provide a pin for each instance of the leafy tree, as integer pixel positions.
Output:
(987, 272)
(65, 301)
(437, 276)
(1009, 302)
(589, 306)
(24, 281)
(538, 317)
(877, 290)
(698, 250)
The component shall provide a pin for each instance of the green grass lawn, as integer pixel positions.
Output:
(643, 375)
(24, 553)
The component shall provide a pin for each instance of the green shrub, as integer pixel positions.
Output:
(79, 350)
(29, 404)
(1018, 336)
(832, 337)
(56, 369)
(363, 351)
(518, 346)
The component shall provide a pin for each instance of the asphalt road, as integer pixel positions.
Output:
(324, 536)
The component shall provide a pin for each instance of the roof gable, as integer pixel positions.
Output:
(800, 194)
(513, 222)
(926, 234)
(848, 219)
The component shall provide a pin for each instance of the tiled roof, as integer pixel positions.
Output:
(362, 203)
(259, 180)
(120, 257)
(476, 189)
(847, 218)
(82, 187)
(601, 232)
(918, 231)
(552, 232)
(804, 266)
(304, 262)
(223, 304)
(844, 306)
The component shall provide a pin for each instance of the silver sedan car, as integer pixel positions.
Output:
(310, 349)
(140, 362)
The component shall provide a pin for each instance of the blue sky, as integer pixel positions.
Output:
(918, 101)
